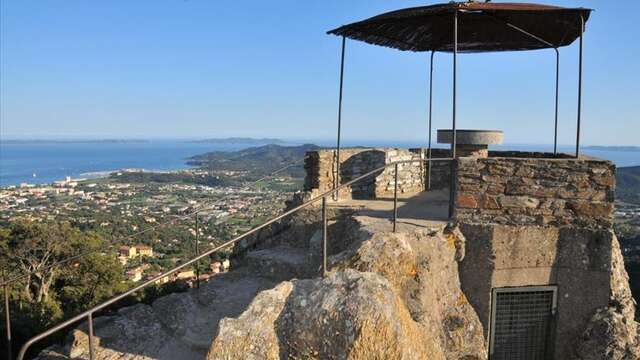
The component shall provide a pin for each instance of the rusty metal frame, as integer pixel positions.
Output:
(336, 182)
(430, 121)
(579, 115)
(452, 183)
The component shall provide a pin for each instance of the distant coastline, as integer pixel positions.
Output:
(74, 141)
(612, 148)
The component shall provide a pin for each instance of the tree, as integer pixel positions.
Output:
(34, 250)
(52, 291)
(89, 281)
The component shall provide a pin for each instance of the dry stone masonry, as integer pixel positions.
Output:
(526, 191)
(321, 169)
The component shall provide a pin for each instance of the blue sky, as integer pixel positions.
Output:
(200, 68)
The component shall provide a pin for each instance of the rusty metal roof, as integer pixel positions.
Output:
(482, 27)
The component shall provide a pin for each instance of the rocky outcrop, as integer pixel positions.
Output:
(349, 314)
(612, 333)
(389, 296)
(177, 326)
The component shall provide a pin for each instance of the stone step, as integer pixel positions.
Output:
(281, 263)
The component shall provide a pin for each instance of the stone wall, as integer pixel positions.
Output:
(528, 191)
(320, 166)
(440, 170)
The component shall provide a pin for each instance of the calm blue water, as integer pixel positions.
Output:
(51, 162)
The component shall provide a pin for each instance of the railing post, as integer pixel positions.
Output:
(579, 89)
(555, 128)
(324, 236)
(395, 197)
(90, 317)
(430, 123)
(197, 252)
(7, 314)
(452, 183)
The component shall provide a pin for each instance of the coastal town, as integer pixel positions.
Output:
(150, 227)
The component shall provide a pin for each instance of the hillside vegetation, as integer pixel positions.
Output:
(257, 161)
(628, 184)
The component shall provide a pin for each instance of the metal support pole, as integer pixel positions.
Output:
(324, 236)
(337, 178)
(452, 186)
(197, 252)
(430, 122)
(555, 133)
(395, 197)
(7, 314)
(90, 317)
(579, 88)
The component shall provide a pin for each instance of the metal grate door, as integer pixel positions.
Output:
(522, 323)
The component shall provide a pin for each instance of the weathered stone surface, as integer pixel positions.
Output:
(348, 315)
(177, 326)
(390, 296)
(467, 201)
(252, 335)
(321, 173)
(612, 333)
(535, 191)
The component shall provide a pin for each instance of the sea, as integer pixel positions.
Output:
(46, 162)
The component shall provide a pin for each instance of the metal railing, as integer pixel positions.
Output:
(88, 314)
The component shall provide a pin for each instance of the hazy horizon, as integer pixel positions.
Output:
(286, 140)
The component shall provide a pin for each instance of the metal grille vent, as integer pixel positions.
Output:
(522, 323)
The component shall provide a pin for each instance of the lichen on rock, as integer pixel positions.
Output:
(389, 296)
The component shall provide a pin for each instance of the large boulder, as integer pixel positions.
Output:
(388, 296)
(348, 315)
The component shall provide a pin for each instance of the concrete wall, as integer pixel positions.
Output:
(577, 260)
(527, 191)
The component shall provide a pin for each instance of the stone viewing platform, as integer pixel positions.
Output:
(531, 220)
(503, 187)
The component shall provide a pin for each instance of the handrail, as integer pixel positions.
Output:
(89, 313)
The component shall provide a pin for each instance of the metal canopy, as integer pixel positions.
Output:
(470, 27)
(483, 27)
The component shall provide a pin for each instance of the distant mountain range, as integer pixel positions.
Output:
(259, 161)
(74, 141)
(612, 148)
(241, 140)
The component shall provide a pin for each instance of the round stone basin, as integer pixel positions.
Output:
(471, 137)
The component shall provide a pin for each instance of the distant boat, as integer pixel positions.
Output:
(34, 175)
